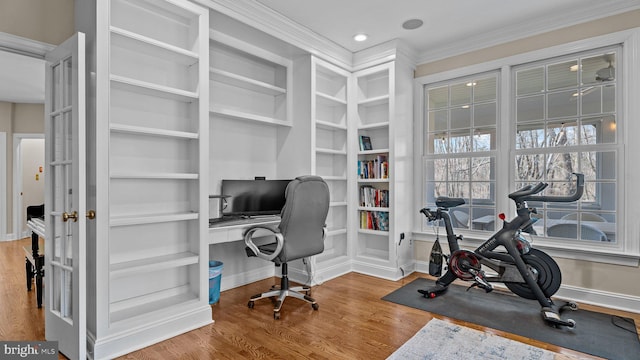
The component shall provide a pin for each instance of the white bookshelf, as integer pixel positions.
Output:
(248, 83)
(331, 155)
(150, 111)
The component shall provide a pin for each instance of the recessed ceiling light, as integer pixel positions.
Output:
(360, 37)
(471, 84)
(412, 24)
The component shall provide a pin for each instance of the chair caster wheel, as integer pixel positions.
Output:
(315, 306)
(250, 304)
(276, 315)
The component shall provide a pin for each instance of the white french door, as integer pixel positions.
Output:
(65, 198)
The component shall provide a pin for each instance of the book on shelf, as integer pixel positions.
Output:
(365, 143)
(374, 220)
(377, 168)
(373, 197)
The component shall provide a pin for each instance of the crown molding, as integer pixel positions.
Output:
(387, 51)
(533, 27)
(273, 23)
(23, 46)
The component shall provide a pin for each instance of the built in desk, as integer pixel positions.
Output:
(233, 230)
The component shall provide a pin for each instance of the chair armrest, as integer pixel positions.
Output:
(248, 240)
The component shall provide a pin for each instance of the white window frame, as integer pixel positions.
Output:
(626, 251)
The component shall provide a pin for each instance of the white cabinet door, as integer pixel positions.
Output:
(65, 198)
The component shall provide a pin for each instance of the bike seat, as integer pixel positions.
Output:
(447, 202)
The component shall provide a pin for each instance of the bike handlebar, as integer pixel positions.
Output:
(527, 192)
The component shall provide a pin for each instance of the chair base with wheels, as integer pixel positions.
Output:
(280, 294)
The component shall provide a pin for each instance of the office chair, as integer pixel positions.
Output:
(300, 234)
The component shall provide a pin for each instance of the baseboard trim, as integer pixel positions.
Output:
(132, 339)
(582, 295)
(247, 277)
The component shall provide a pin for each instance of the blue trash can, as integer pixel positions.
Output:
(215, 274)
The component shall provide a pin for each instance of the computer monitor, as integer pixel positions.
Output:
(254, 197)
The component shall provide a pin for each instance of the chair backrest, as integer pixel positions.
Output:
(303, 218)
(584, 216)
(587, 232)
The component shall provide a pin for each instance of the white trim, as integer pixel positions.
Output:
(17, 181)
(273, 23)
(629, 251)
(3, 187)
(23, 46)
(522, 30)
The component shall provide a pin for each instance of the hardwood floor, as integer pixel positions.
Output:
(352, 322)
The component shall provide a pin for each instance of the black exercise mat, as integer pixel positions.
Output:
(594, 333)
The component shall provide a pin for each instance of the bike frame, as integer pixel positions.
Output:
(505, 237)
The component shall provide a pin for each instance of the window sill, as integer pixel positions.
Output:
(473, 240)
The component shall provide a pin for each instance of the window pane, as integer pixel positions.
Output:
(599, 68)
(530, 136)
(483, 168)
(562, 104)
(437, 120)
(563, 75)
(609, 98)
(530, 108)
(598, 130)
(458, 189)
(562, 133)
(485, 89)
(459, 169)
(530, 81)
(461, 93)
(485, 114)
(481, 193)
(596, 165)
(560, 166)
(460, 142)
(437, 143)
(529, 167)
(438, 97)
(461, 118)
(484, 139)
(438, 169)
(591, 100)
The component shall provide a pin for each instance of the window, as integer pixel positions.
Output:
(565, 114)
(548, 113)
(462, 124)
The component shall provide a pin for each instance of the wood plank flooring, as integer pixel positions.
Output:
(352, 322)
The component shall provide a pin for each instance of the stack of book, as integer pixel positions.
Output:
(374, 220)
(372, 197)
(377, 168)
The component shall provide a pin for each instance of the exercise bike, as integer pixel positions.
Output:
(527, 272)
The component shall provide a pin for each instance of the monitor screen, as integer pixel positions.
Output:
(254, 197)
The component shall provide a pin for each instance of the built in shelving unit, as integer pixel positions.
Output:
(248, 82)
(330, 157)
(375, 217)
(151, 173)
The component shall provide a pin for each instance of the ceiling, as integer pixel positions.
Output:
(450, 27)
(467, 24)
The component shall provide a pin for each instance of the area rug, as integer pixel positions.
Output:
(595, 333)
(442, 340)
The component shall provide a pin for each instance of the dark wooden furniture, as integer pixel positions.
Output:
(34, 258)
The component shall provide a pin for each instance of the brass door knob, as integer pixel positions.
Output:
(91, 214)
(73, 216)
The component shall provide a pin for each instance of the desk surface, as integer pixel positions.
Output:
(233, 229)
